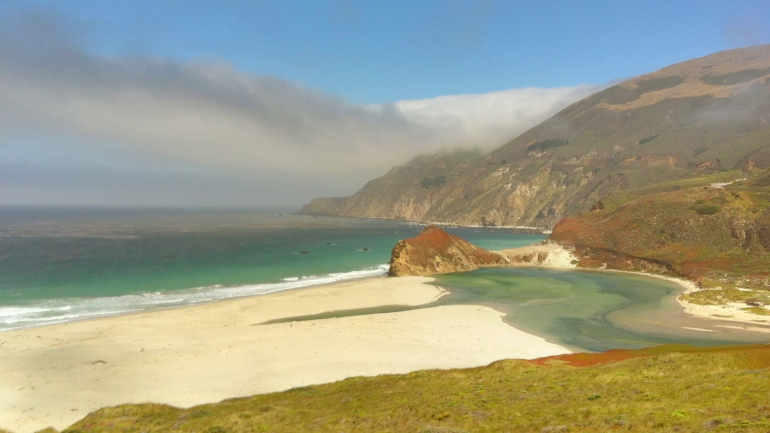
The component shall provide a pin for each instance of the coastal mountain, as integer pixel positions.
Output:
(700, 117)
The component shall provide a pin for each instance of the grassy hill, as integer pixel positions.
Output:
(668, 388)
(701, 229)
(698, 117)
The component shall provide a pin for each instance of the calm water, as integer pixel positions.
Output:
(591, 310)
(65, 264)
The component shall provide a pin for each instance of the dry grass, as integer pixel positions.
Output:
(662, 389)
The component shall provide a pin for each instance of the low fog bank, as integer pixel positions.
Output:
(76, 128)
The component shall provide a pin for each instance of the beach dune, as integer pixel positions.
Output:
(55, 375)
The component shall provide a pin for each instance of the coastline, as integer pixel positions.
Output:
(77, 309)
(202, 353)
(54, 375)
(560, 257)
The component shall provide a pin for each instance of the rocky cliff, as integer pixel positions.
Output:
(435, 251)
(691, 119)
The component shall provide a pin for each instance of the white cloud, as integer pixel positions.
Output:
(284, 140)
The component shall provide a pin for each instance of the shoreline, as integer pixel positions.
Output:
(235, 292)
(54, 375)
(521, 229)
(726, 313)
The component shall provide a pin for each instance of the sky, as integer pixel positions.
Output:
(273, 103)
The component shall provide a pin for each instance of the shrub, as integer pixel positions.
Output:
(648, 139)
(706, 209)
(435, 181)
(548, 144)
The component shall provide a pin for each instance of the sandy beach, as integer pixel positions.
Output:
(55, 375)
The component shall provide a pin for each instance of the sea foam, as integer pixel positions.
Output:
(70, 309)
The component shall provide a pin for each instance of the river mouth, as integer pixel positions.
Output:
(592, 310)
(582, 310)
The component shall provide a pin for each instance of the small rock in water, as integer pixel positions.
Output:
(304, 252)
(365, 249)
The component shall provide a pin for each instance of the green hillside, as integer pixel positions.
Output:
(701, 229)
(668, 388)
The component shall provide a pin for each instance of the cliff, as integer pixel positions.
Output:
(691, 119)
(435, 251)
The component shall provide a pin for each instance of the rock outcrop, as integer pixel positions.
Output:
(435, 251)
(545, 254)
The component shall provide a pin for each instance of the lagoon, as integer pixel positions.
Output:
(591, 310)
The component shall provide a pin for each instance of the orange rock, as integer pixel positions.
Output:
(435, 251)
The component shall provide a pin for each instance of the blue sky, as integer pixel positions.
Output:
(232, 99)
(383, 51)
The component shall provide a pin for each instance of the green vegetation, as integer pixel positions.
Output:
(548, 144)
(649, 138)
(668, 388)
(760, 311)
(719, 237)
(434, 181)
(619, 198)
(622, 95)
(727, 295)
(735, 77)
(706, 208)
(656, 84)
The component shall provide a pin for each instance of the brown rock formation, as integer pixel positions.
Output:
(435, 251)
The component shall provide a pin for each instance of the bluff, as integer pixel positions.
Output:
(702, 116)
(435, 251)
(716, 233)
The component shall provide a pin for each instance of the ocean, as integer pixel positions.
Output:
(64, 264)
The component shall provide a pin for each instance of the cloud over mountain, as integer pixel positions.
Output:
(252, 138)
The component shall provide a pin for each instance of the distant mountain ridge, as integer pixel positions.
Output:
(702, 116)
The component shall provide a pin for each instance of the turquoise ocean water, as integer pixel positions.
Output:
(60, 264)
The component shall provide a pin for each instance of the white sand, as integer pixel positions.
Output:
(562, 258)
(558, 256)
(731, 312)
(55, 375)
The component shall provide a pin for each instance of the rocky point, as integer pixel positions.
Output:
(435, 251)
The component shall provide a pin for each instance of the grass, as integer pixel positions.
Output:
(619, 198)
(760, 311)
(668, 388)
(726, 295)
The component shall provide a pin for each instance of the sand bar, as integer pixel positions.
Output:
(55, 375)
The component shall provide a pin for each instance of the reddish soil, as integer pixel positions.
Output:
(757, 355)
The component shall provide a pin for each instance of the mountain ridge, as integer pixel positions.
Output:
(696, 117)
